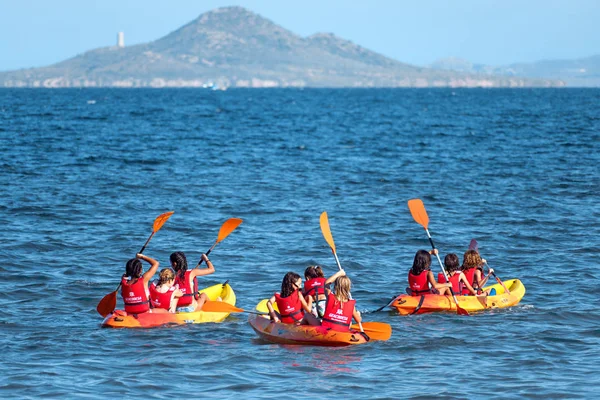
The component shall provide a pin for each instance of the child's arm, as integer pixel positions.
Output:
(333, 277)
(272, 312)
(356, 316)
(305, 306)
(153, 267)
(434, 284)
(480, 279)
(210, 268)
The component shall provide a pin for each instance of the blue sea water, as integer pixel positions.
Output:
(83, 174)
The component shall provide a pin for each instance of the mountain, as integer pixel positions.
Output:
(584, 72)
(232, 46)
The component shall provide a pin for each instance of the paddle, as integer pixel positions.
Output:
(417, 210)
(324, 222)
(473, 246)
(375, 330)
(227, 227)
(382, 307)
(109, 302)
(219, 306)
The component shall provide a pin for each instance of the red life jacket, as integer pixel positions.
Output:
(290, 308)
(470, 275)
(338, 315)
(161, 300)
(314, 287)
(189, 294)
(134, 296)
(418, 284)
(441, 277)
(457, 286)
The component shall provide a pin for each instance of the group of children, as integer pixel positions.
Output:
(176, 289)
(464, 280)
(314, 303)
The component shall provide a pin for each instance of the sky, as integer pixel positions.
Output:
(36, 33)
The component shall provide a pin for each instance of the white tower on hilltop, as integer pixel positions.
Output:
(120, 39)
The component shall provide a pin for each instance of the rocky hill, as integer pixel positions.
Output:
(233, 47)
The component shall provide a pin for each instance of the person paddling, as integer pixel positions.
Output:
(340, 308)
(472, 267)
(163, 293)
(460, 284)
(186, 281)
(290, 303)
(420, 278)
(134, 284)
(315, 289)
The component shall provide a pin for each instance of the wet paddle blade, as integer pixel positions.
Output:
(108, 304)
(473, 245)
(461, 311)
(417, 210)
(219, 306)
(228, 227)
(376, 330)
(160, 220)
(324, 221)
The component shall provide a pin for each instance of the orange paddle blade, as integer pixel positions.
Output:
(160, 220)
(324, 221)
(376, 330)
(228, 227)
(417, 210)
(107, 304)
(219, 306)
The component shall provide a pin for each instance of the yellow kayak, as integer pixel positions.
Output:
(120, 319)
(428, 303)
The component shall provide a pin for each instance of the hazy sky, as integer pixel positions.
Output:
(497, 32)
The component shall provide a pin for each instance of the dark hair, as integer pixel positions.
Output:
(451, 262)
(421, 262)
(314, 271)
(133, 268)
(287, 285)
(179, 263)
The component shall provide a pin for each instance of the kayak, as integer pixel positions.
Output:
(428, 303)
(121, 319)
(278, 332)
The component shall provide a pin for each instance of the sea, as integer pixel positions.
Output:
(84, 173)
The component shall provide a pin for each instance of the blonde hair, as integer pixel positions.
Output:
(471, 259)
(166, 274)
(341, 287)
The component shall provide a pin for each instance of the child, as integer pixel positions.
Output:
(315, 289)
(134, 284)
(473, 269)
(340, 309)
(291, 304)
(460, 284)
(420, 277)
(163, 294)
(186, 281)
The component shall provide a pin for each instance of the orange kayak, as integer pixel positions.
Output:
(278, 332)
(407, 305)
(120, 319)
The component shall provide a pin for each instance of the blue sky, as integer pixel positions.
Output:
(41, 32)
